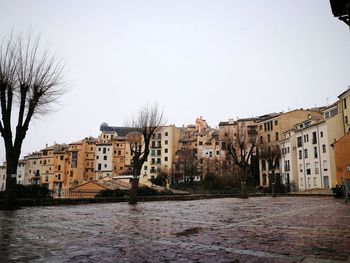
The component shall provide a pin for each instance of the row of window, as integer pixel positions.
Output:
(159, 135)
(306, 138)
(158, 152)
(269, 138)
(316, 167)
(306, 154)
(308, 181)
(268, 126)
(285, 150)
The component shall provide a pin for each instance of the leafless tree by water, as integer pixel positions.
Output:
(30, 81)
(147, 122)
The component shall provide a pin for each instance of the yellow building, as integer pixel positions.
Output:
(47, 166)
(163, 146)
(60, 167)
(121, 156)
(81, 161)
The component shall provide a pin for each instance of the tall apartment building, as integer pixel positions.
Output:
(60, 173)
(33, 167)
(163, 147)
(20, 174)
(289, 166)
(271, 128)
(315, 156)
(47, 166)
(104, 160)
(113, 155)
(122, 158)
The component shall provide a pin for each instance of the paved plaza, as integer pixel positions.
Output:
(261, 229)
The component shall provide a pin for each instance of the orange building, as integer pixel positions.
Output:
(342, 158)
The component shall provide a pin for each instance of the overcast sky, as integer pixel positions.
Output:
(216, 59)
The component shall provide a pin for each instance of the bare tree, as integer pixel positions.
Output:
(148, 121)
(240, 144)
(272, 154)
(29, 82)
(186, 162)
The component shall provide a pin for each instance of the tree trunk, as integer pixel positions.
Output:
(273, 185)
(10, 198)
(133, 191)
(134, 185)
(244, 183)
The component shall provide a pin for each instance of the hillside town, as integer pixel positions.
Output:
(312, 153)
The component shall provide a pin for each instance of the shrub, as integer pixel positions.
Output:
(113, 193)
(142, 191)
(31, 191)
(160, 179)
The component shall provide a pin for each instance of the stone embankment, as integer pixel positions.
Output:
(175, 197)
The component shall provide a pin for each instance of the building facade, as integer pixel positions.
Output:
(163, 146)
(271, 128)
(342, 158)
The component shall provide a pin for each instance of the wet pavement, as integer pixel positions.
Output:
(262, 229)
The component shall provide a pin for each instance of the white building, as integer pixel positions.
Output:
(21, 168)
(315, 156)
(20, 178)
(288, 160)
(104, 160)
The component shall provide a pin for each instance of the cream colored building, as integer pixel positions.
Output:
(20, 175)
(315, 156)
(289, 166)
(271, 128)
(47, 166)
(33, 167)
(163, 147)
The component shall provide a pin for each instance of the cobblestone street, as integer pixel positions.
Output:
(264, 229)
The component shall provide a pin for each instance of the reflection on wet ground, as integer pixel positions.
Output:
(264, 229)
